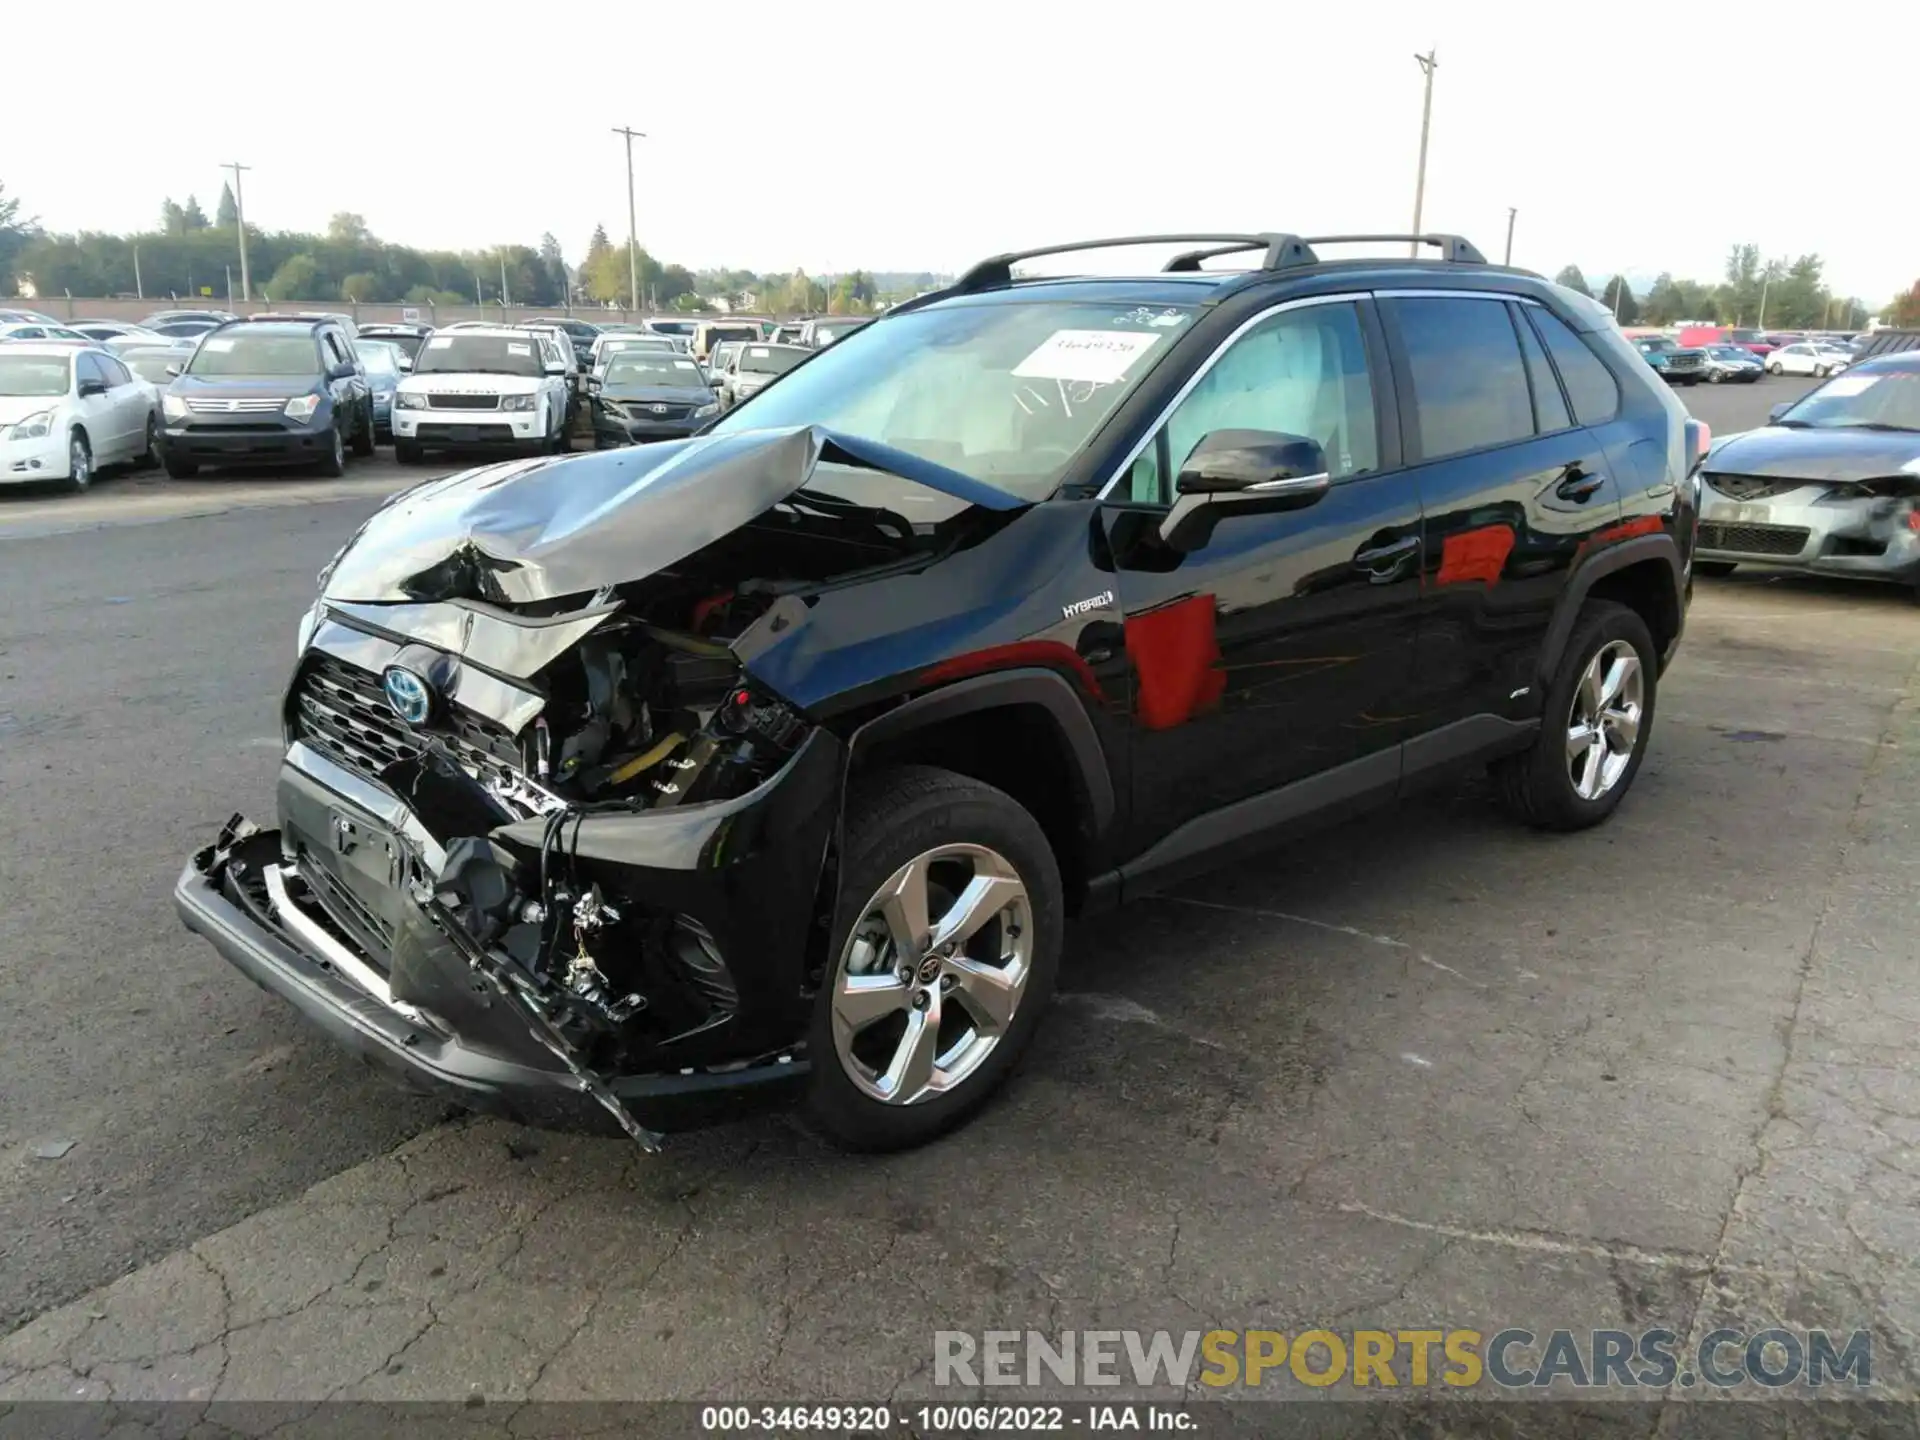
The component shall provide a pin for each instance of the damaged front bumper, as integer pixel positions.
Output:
(343, 913)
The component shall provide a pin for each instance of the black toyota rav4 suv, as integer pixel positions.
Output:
(652, 786)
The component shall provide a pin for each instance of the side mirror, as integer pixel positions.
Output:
(555, 367)
(1242, 472)
(715, 382)
(342, 371)
(596, 383)
(404, 363)
(1778, 410)
(173, 369)
(92, 387)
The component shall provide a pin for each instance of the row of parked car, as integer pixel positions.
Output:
(196, 388)
(1717, 354)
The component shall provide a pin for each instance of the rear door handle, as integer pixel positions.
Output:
(1382, 563)
(1578, 485)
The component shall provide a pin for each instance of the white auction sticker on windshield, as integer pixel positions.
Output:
(1847, 385)
(440, 342)
(513, 349)
(1094, 357)
(684, 365)
(218, 347)
(758, 352)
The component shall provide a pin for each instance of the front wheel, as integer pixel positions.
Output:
(945, 945)
(1594, 731)
(408, 452)
(1714, 377)
(335, 464)
(150, 451)
(1773, 368)
(79, 461)
(1819, 372)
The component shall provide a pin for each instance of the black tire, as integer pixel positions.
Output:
(150, 456)
(892, 818)
(408, 452)
(1773, 368)
(1715, 568)
(363, 440)
(334, 465)
(562, 441)
(1537, 784)
(180, 469)
(79, 461)
(1819, 372)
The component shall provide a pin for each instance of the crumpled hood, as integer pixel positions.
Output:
(533, 530)
(1838, 455)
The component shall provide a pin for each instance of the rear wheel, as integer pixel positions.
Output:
(1595, 728)
(150, 450)
(945, 945)
(1714, 377)
(1715, 568)
(363, 433)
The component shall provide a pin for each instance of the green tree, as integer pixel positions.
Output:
(362, 287)
(227, 214)
(193, 217)
(1571, 278)
(15, 233)
(173, 220)
(347, 228)
(1798, 297)
(298, 278)
(1740, 286)
(1904, 311)
(554, 263)
(1617, 296)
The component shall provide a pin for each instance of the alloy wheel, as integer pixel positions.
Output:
(932, 973)
(79, 463)
(1603, 726)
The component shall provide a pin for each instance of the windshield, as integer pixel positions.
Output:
(409, 345)
(829, 333)
(1656, 343)
(1004, 391)
(378, 357)
(260, 352)
(151, 365)
(33, 374)
(1889, 400)
(637, 367)
(732, 332)
(1731, 352)
(474, 354)
(659, 344)
(672, 327)
(769, 359)
(1745, 337)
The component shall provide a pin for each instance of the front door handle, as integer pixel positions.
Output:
(1578, 485)
(1384, 562)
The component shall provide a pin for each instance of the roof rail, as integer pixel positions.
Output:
(1281, 252)
(1455, 249)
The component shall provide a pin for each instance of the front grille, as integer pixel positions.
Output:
(366, 931)
(643, 410)
(1754, 487)
(342, 712)
(1754, 539)
(202, 405)
(1685, 362)
(463, 402)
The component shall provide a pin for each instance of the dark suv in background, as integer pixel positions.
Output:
(663, 783)
(268, 390)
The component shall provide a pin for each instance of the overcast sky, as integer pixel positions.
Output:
(834, 134)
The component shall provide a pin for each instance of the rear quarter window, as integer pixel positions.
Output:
(1591, 388)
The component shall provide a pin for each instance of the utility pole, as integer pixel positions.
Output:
(138, 292)
(504, 301)
(1429, 63)
(1619, 286)
(1766, 279)
(633, 230)
(240, 224)
(1511, 213)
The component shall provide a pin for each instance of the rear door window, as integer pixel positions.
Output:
(1591, 388)
(1469, 381)
(1549, 405)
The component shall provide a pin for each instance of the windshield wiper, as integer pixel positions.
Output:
(1873, 425)
(1786, 424)
(476, 370)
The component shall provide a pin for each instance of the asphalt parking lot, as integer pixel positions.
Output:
(1428, 1068)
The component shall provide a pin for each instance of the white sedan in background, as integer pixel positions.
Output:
(42, 330)
(66, 411)
(1809, 357)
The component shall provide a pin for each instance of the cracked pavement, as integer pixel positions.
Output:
(1428, 1068)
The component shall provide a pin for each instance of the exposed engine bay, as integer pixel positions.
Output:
(539, 744)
